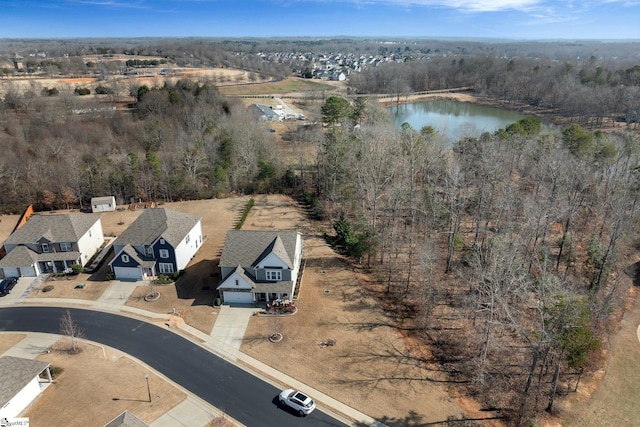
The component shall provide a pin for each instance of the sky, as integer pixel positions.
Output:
(497, 19)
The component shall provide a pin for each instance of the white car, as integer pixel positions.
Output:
(298, 401)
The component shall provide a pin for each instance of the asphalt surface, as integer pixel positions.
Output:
(244, 397)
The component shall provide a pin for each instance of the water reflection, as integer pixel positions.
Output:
(452, 119)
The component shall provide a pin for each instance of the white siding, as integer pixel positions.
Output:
(185, 251)
(89, 244)
(21, 400)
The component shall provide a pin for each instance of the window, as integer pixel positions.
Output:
(162, 241)
(45, 247)
(165, 267)
(125, 258)
(274, 275)
(65, 247)
(187, 239)
(149, 251)
(164, 253)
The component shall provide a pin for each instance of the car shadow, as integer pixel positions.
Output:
(285, 408)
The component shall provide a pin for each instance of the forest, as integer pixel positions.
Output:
(505, 253)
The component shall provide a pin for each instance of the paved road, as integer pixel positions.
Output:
(246, 398)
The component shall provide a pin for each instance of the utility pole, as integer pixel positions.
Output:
(146, 377)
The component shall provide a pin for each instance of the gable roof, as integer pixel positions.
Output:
(141, 260)
(249, 247)
(16, 373)
(56, 228)
(173, 226)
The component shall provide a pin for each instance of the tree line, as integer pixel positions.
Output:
(182, 141)
(505, 254)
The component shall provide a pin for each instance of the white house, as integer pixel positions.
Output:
(159, 241)
(260, 265)
(51, 244)
(21, 383)
(103, 204)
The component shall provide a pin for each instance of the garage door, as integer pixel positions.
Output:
(127, 273)
(27, 272)
(11, 272)
(237, 297)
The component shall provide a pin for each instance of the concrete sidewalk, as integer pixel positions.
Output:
(224, 340)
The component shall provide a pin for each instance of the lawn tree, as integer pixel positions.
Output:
(70, 328)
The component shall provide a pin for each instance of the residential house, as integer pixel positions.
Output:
(51, 244)
(21, 383)
(103, 204)
(159, 241)
(259, 265)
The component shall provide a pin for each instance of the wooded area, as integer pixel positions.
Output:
(504, 253)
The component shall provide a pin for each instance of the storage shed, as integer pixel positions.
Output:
(103, 204)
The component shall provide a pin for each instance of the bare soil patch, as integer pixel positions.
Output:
(96, 385)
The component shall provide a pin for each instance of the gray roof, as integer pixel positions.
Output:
(173, 226)
(248, 247)
(126, 419)
(56, 228)
(21, 256)
(16, 373)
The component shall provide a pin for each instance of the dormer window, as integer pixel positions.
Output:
(125, 258)
(273, 275)
(149, 251)
(45, 247)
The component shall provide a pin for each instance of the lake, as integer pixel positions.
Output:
(454, 119)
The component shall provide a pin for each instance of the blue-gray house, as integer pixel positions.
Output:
(159, 241)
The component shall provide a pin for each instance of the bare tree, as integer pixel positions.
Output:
(70, 328)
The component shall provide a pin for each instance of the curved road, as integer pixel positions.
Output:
(246, 398)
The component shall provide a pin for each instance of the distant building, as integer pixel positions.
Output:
(103, 204)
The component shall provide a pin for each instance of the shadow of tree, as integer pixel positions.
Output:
(415, 420)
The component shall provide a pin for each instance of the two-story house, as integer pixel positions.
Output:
(159, 241)
(258, 265)
(51, 244)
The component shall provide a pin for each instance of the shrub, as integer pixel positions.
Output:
(163, 279)
(103, 90)
(76, 269)
(56, 371)
(82, 91)
(217, 302)
(247, 208)
(110, 276)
